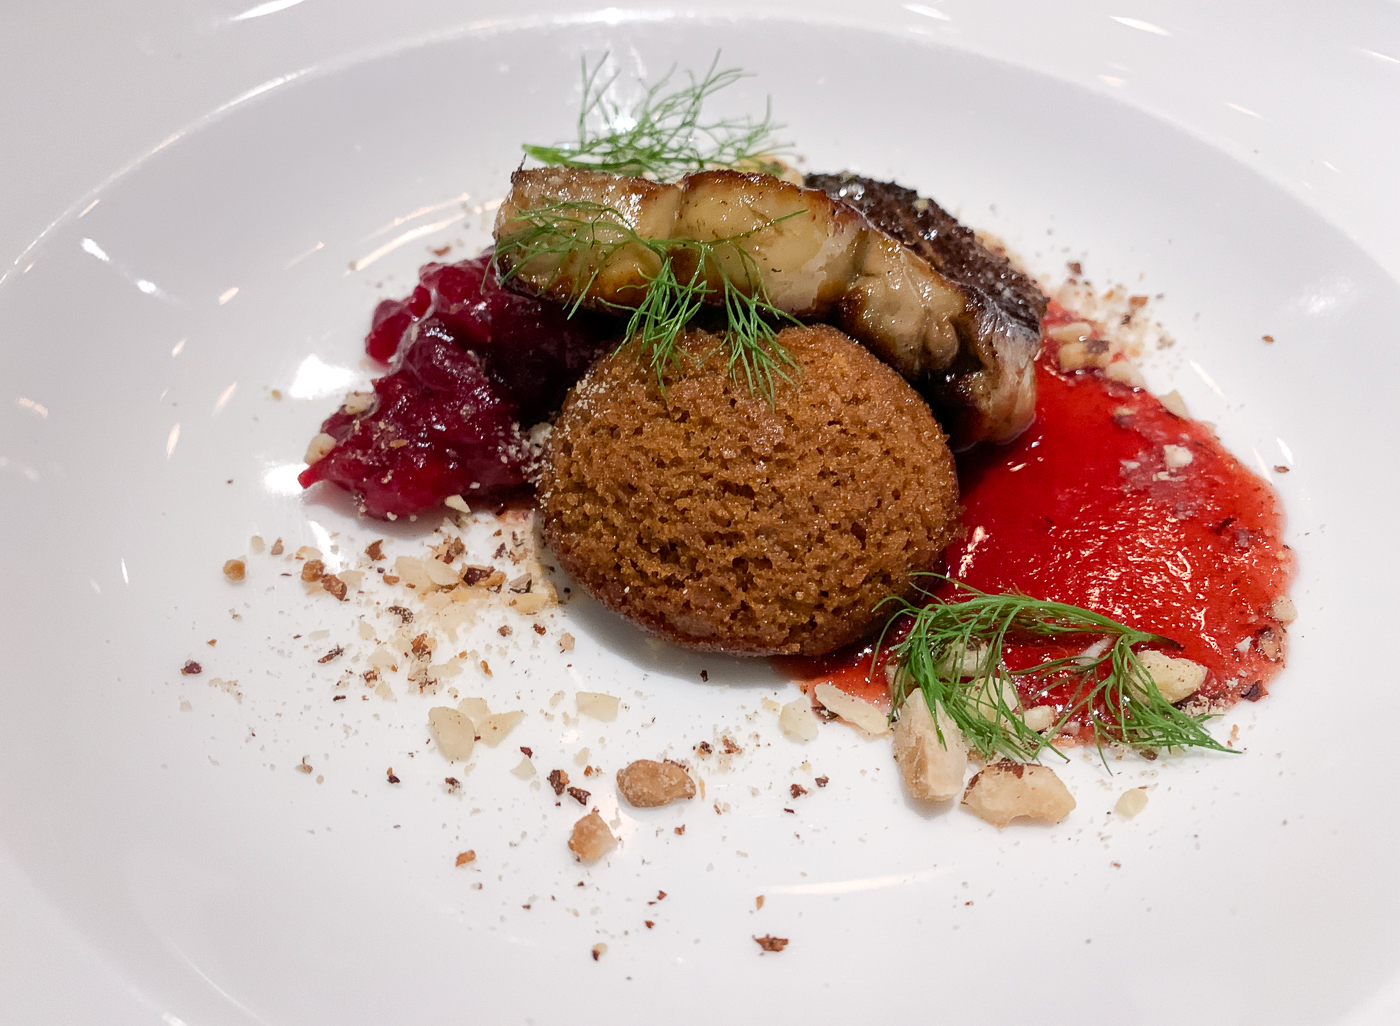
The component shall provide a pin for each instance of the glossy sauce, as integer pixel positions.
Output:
(1083, 508)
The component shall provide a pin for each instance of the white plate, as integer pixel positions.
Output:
(169, 864)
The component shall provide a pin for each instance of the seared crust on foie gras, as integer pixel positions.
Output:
(819, 259)
(990, 391)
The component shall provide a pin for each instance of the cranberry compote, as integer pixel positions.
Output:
(474, 365)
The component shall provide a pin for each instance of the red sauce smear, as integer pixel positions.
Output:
(1088, 508)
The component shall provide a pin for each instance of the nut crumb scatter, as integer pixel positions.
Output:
(758, 902)
(591, 839)
(390, 774)
(276, 549)
(558, 780)
(647, 784)
(332, 654)
(191, 669)
(770, 943)
(579, 795)
(680, 830)
(822, 781)
(797, 790)
(375, 549)
(312, 570)
(235, 570)
(334, 585)
(598, 951)
(465, 857)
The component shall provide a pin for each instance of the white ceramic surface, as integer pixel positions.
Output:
(182, 230)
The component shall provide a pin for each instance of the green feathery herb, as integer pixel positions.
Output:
(953, 654)
(563, 230)
(664, 134)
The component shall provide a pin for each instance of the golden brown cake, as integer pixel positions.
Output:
(719, 521)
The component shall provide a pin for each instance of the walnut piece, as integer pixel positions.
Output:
(597, 705)
(851, 709)
(1008, 790)
(932, 769)
(591, 839)
(1175, 678)
(797, 720)
(770, 943)
(647, 784)
(455, 733)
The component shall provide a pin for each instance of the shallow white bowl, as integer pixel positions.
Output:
(230, 234)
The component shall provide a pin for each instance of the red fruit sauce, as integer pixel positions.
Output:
(473, 363)
(1083, 509)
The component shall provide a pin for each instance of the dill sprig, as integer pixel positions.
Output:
(581, 236)
(664, 134)
(953, 654)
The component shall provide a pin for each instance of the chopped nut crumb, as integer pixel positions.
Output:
(235, 570)
(1131, 802)
(332, 654)
(334, 585)
(1007, 790)
(453, 784)
(538, 628)
(680, 830)
(191, 668)
(591, 839)
(822, 781)
(758, 902)
(579, 795)
(375, 549)
(647, 784)
(312, 570)
(467, 856)
(558, 780)
(797, 790)
(276, 549)
(599, 950)
(566, 642)
(390, 774)
(770, 943)
(404, 614)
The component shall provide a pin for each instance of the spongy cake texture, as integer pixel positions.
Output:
(720, 522)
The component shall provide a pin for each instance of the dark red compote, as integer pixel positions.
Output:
(1112, 502)
(474, 366)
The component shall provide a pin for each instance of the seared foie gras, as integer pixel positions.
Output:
(990, 391)
(817, 257)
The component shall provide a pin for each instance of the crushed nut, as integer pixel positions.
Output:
(191, 668)
(579, 795)
(770, 943)
(1131, 802)
(932, 768)
(467, 856)
(312, 571)
(558, 780)
(591, 839)
(1007, 790)
(235, 570)
(375, 549)
(647, 784)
